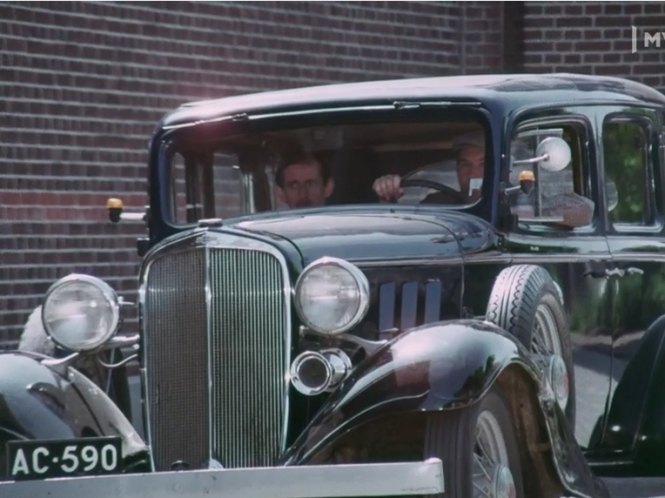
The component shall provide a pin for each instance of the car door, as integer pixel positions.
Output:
(632, 155)
(577, 257)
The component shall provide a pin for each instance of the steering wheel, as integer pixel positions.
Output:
(440, 187)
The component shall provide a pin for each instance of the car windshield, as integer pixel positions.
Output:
(268, 169)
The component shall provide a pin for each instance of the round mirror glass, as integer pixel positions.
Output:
(556, 152)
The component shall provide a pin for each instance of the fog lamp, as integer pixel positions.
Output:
(315, 372)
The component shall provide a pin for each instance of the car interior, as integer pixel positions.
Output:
(236, 175)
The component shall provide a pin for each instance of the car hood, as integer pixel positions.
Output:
(376, 235)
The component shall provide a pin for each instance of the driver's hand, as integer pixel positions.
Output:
(387, 188)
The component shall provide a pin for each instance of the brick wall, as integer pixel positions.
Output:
(595, 38)
(84, 83)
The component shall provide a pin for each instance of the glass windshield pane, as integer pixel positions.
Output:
(433, 162)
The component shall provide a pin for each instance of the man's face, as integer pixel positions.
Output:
(304, 186)
(470, 164)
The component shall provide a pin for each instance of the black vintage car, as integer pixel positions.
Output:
(506, 320)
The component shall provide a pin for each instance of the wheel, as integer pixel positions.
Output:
(455, 195)
(526, 302)
(478, 448)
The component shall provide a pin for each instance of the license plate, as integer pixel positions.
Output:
(38, 459)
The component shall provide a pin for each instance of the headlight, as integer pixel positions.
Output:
(80, 312)
(332, 295)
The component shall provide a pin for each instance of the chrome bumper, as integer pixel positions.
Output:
(384, 479)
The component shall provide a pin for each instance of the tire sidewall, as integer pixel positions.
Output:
(513, 304)
(454, 442)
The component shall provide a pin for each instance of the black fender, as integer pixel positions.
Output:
(432, 367)
(636, 420)
(42, 402)
(441, 366)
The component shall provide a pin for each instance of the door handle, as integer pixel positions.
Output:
(622, 272)
(615, 272)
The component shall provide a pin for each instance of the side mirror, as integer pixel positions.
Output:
(555, 152)
(552, 154)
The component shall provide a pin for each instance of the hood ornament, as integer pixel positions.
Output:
(205, 239)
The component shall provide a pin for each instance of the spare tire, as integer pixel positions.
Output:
(527, 303)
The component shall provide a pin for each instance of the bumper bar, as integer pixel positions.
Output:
(384, 479)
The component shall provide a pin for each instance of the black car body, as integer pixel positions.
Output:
(461, 322)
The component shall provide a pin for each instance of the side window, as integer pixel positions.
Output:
(205, 186)
(178, 189)
(662, 148)
(628, 173)
(228, 186)
(559, 197)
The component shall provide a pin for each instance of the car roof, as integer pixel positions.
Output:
(508, 90)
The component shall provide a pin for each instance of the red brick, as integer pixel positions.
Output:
(572, 22)
(633, 8)
(619, 21)
(593, 34)
(563, 46)
(593, 8)
(539, 22)
(654, 8)
(85, 83)
(553, 34)
(612, 8)
(593, 46)
(591, 58)
(612, 57)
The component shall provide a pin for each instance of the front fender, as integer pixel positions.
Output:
(39, 402)
(636, 419)
(433, 367)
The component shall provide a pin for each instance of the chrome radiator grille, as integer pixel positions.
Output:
(237, 337)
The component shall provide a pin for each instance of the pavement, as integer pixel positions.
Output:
(640, 487)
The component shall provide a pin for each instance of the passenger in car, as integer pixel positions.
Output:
(574, 210)
(570, 209)
(303, 181)
(470, 155)
(559, 204)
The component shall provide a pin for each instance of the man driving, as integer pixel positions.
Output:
(470, 156)
(303, 182)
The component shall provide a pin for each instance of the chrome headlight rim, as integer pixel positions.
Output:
(360, 280)
(108, 294)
